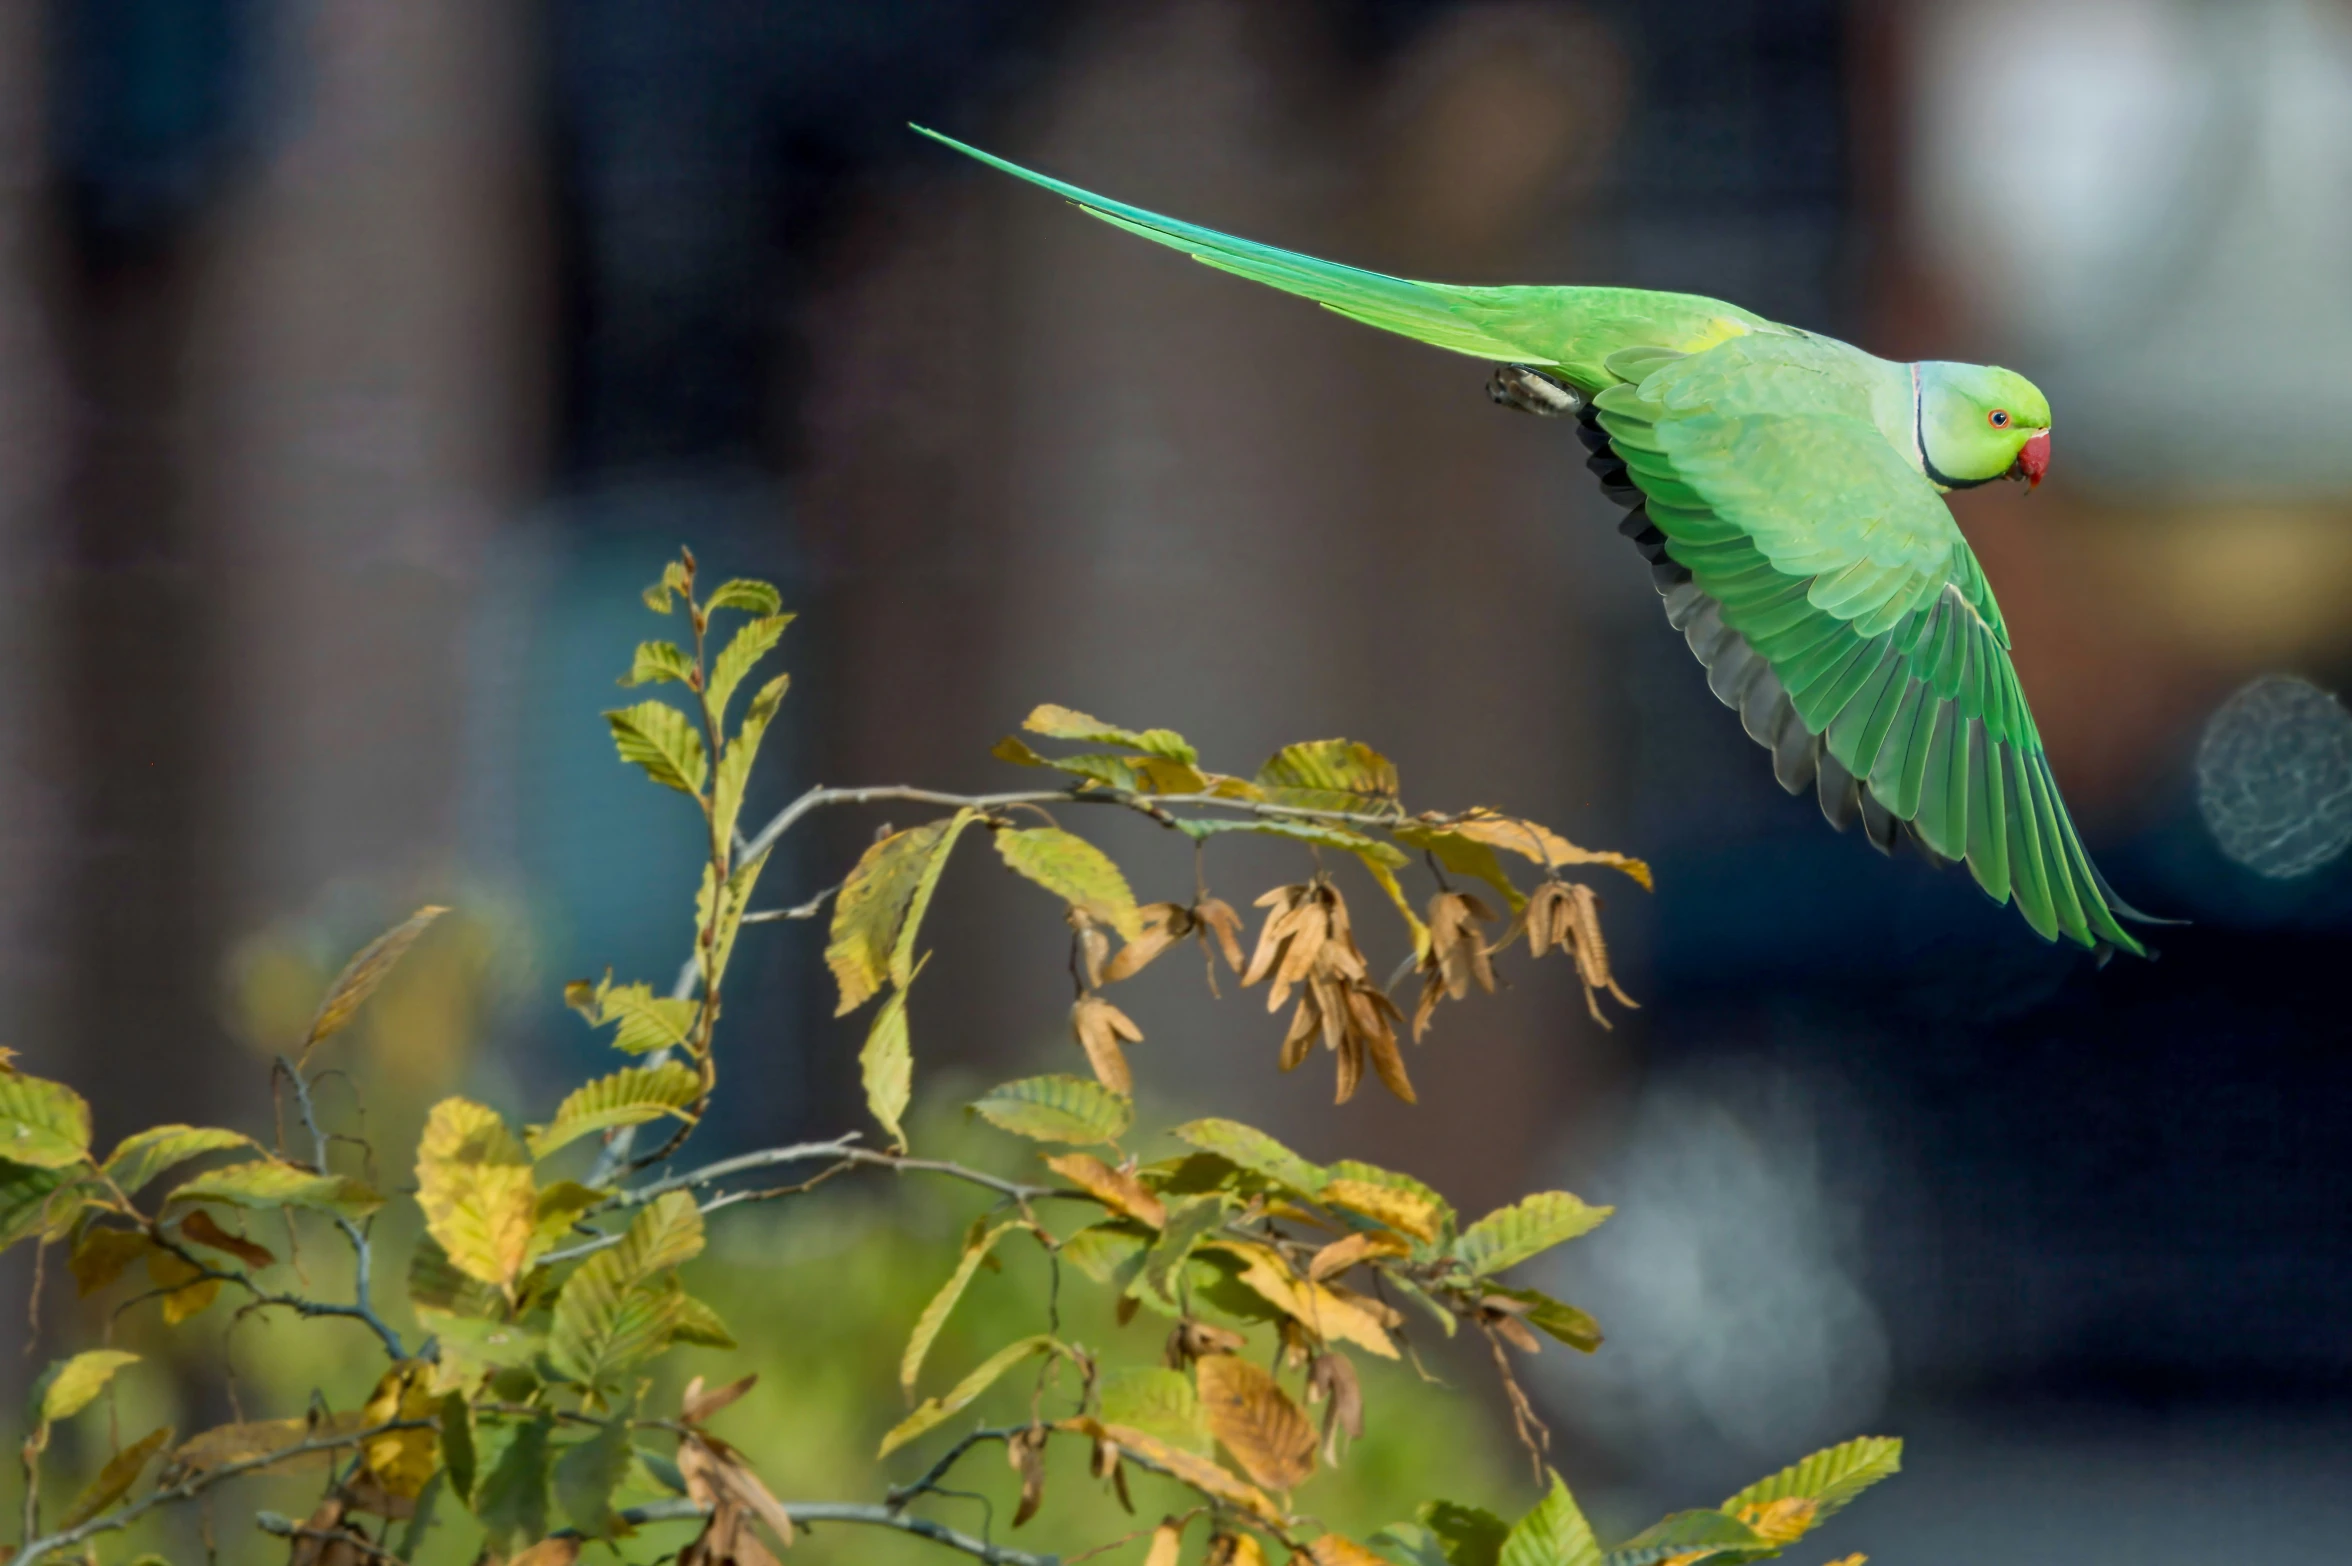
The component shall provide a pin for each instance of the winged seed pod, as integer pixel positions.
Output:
(1567, 916)
(1164, 924)
(1099, 1026)
(1456, 956)
(1308, 944)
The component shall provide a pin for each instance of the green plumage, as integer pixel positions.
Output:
(1788, 489)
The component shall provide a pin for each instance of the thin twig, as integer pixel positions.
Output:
(807, 910)
(900, 1494)
(806, 1512)
(286, 1528)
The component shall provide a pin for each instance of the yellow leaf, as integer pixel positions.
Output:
(226, 1444)
(1167, 1544)
(1783, 1521)
(402, 1460)
(1062, 723)
(753, 640)
(1346, 1252)
(1321, 1309)
(935, 1314)
(365, 972)
(1256, 1421)
(880, 908)
(475, 1185)
(1074, 870)
(628, 1097)
(188, 1290)
(114, 1481)
(1208, 1477)
(1114, 1188)
(1337, 1550)
(1542, 844)
(937, 1410)
(71, 1385)
(886, 1066)
(1403, 1211)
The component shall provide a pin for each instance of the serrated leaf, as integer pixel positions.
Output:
(734, 772)
(70, 1385)
(437, 1289)
(721, 910)
(1462, 854)
(880, 908)
(1074, 870)
(364, 972)
(612, 1313)
(1062, 723)
(933, 1412)
(1554, 1317)
(1361, 1174)
(941, 1304)
(1116, 1189)
(114, 1481)
(1542, 844)
(40, 1201)
(656, 662)
(1407, 1212)
(746, 593)
(662, 740)
(587, 1475)
(479, 1197)
(647, 1022)
(1257, 1152)
(886, 1067)
(753, 640)
(1332, 774)
(1329, 1313)
(696, 1323)
(1056, 1109)
(511, 1498)
(1830, 1478)
(141, 1156)
(43, 1124)
(1554, 1533)
(1256, 1422)
(1322, 834)
(100, 1255)
(628, 1097)
(1158, 1401)
(268, 1183)
(1686, 1537)
(1528, 1227)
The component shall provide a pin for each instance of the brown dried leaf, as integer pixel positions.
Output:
(200, 1226)
(1099, 1026)
(310, 1547)
(1592, 952)
(100, 1256)
(1214, 916)
(1117, 1189)
(1341, 1254)
(1512, 1330)
(1285, 902)
(1335, 1550)
(1025, 1451)
(1332, 1380)
(363, 973)
(1329, 1313)
(1255, 1420)
(1164, 924)
(1541, 844)
(696, 1404)
(1208, 1477)
(737, 1483)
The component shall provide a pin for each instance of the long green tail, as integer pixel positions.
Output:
(1571, 330)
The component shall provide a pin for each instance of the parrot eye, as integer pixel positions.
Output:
(1999, 418)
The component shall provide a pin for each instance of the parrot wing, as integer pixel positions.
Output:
(1835, 603)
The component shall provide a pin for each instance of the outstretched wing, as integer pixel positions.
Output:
(1835, 603)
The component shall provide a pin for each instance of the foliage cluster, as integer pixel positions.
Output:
(548, 1278)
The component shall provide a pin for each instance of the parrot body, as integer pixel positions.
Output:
(1786, 489)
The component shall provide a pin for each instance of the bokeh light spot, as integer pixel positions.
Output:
(2274, 777)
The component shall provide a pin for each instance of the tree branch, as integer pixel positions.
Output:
(806, 1512)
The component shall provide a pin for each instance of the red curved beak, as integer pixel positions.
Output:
(2034, 460)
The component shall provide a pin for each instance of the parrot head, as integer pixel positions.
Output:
(1978, 423)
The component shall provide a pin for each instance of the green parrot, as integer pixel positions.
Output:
(1786, 489)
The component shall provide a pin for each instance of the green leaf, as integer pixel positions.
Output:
(698, 1324)
(437, 1288)
(1320, 833)
(367, 969)
(1056, 1109)
(1074, 870)
(886, 1065)
(39, 1201)
(726, 920)
(1554, 1533)
(141, 1156)
(43, 1124)
(1560, 1320)
(881, 907)
(753, 640)
(656, 662)
(1687, 1537)
(659, 738)
(269, 1183)
(1830, 1478)
(1257, 1152)
(628, 1097)
(734, 774)
(114, 1481)
(1062, 723)
(1187, 1224)
(611, 1314)
(1158, 1402)
(71, 1385)
(1109, 1253)
(1462, 855)
(935, 1313)
(480, 1199)
(748, 594)
(1534, 1224)
(512, 1498)
(647, 1022)
(457, 1445)
(1332, 774)
(1469, 1535)
(587, 1475)
(933, 1412)
(1410, 1544)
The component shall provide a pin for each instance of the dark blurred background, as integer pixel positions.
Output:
(358, 360)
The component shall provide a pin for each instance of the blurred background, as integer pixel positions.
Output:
(359, 360)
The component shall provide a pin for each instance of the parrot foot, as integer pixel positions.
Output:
(1531, 391)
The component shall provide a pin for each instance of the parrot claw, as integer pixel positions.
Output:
(1531, 391)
